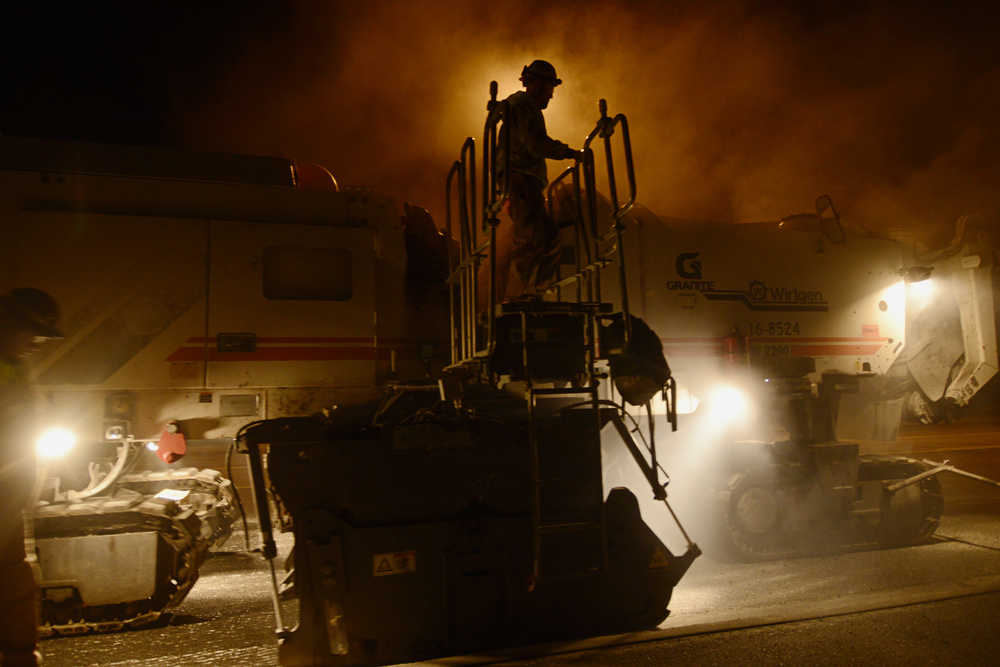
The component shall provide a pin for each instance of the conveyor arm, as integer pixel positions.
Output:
(936, 469)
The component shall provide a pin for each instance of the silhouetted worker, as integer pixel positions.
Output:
(27, 316)
(535, 251)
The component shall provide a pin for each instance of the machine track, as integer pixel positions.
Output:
(183, 529)
(755, 508)
(772, 512)
(912, 514)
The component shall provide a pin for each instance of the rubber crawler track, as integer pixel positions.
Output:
(190, 528)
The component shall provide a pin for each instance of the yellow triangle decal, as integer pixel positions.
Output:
(659, 559)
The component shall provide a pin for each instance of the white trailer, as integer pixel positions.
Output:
(208, 290)
(911, 329)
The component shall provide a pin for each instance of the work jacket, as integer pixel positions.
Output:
(530, 144)
(17, 457)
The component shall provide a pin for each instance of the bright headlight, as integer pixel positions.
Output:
(728, 403)
(55, 443)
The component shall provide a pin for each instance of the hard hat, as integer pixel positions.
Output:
(543, 69)
(36, 309)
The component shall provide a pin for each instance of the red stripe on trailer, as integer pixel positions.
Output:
(282, 354)
(820, 339)
(706, 340)
(793, 350)
(677, 347)
(825, 346)
(198, 340)
(707, 350)
(833, 350)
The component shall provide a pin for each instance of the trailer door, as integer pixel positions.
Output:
(290, 305)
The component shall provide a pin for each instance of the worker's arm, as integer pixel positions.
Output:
(557, 150)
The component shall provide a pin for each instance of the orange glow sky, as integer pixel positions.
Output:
(737, 113)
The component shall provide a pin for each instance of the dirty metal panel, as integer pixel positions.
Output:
(864, 416)
(236, 342)
(312, 305)
(107, 568)
(238, 405)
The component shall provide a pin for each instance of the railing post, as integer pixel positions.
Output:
(453, 269)
(590, 188)
(468, 196)
(621, 120)
(466, 256)
(494, 196)
(605, 128)
(581, 238)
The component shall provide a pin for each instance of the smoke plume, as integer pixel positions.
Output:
(737, 112)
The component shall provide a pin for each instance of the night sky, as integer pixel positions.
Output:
(739, 111)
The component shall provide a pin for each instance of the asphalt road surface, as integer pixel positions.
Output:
(954, 631)
(934, 604)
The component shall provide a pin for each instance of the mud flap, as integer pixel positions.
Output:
(322, 630)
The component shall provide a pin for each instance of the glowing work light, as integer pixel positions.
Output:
(55, 443)
(728, 403)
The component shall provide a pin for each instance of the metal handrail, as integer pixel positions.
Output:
(464, 275)
(605, 129)
(459, 270)
(496, 190)
(589, 186)
(494, 197)
(467, 199)
(467, 156)
(569, 171)
(583, 190)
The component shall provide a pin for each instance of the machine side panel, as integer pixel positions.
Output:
(124, 565)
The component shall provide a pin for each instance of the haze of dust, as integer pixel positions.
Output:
(737, 112)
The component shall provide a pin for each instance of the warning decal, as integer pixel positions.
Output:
(400, 562)
(659, 560)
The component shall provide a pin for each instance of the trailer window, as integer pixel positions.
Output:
(307, 273)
